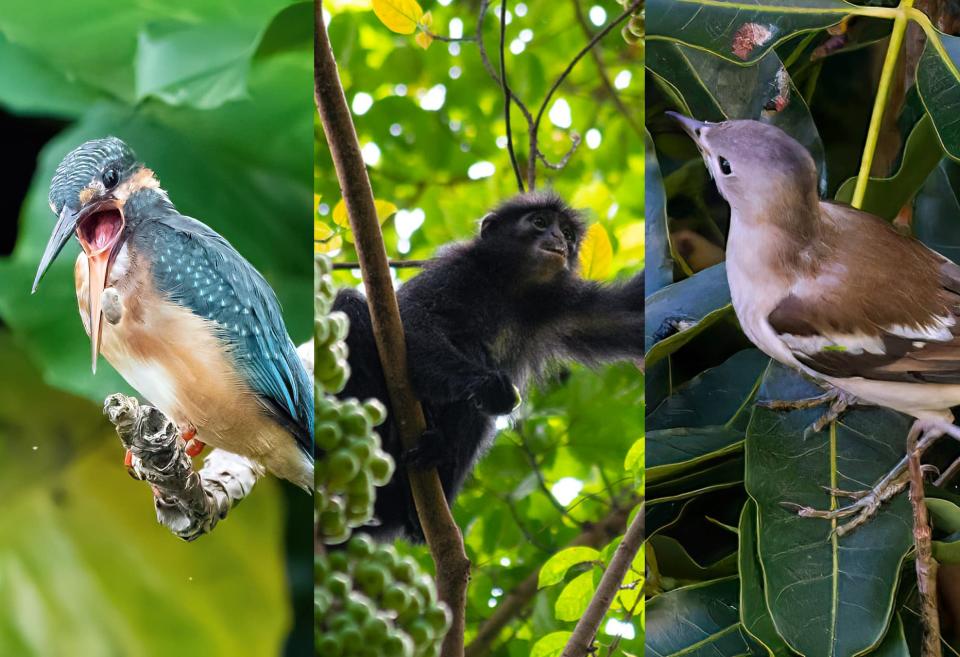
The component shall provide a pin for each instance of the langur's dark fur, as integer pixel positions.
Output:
(484, 316)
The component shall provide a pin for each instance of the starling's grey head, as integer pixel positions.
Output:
(91, 170)
(755, 165)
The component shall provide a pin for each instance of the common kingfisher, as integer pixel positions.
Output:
(183, 317)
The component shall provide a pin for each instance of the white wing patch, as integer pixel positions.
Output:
(850, 343)
(938, 331)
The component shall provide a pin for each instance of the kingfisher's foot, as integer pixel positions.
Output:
(866, 503)
(194, 446)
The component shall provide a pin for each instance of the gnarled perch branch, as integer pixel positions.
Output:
(189, 502)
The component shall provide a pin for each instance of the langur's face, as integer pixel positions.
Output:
(554, 240)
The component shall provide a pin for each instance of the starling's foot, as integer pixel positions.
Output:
(866, 503)
(838, 400)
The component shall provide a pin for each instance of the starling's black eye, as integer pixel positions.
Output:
(110, 178)
(724, 166)
(538, 221)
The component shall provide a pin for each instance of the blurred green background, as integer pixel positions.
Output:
(215, 97)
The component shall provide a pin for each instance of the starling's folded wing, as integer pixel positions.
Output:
(204, 273)
(907, 333)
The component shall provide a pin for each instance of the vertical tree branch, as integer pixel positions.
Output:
(440, 530)
(925, 563)
(581, 642)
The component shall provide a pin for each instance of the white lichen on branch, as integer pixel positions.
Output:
(188, 502)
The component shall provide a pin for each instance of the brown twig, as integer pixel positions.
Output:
(604, 77)
(441, 532)
(925, 563)
(511, 606)
(395, 264)
(507, 93)
(535, 127)
(581, 641)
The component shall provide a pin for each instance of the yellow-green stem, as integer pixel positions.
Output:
(880, 103)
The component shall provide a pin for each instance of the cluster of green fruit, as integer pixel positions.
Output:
(635, 28)
(371, 602)
(330, 367)
(352, 462)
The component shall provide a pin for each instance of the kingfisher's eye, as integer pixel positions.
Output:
(110, 178)
(539, 222)
(724, 166)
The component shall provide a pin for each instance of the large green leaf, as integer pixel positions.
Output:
(754, 613)
(81, 550)
(827, 595)
(671, 452)
(713, 89)
(938, 79)
(659, 261)
(698, 621)
(937, 208)
(740, 30)
(717, 396)
(886, 196)
(100, 50)
(682, 310)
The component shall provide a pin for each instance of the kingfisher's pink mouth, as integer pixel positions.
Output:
(100, 230)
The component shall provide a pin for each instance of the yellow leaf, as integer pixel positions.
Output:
(330, 246)
(596, 253)
(401, 16)
(631, 239)
(423, 40)
(384, 210)
(321, 231)
(340, 214)
(426, 20)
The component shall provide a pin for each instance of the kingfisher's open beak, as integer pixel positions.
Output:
(691, 126)
(99, 229)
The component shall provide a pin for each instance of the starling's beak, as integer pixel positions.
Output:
(691, 126)
(99, 229)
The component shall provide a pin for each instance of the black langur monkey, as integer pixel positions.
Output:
(482, 320)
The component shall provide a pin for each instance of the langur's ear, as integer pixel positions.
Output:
(486, 224)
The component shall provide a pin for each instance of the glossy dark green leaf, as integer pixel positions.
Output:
(659, 261)
(727, 473)
(740, 30)
(717, 396)
(678, 312)
(886, 196)
(827, 595)
(674, 451)
(675, 561)
(713, 89)
(754, 613)
(937, 209)
(938, 79)
(698, 621)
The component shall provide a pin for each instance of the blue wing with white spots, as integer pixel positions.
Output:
(199, 269)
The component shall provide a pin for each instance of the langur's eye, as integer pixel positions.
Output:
(724, 166)
(568, 234)
(539, 222)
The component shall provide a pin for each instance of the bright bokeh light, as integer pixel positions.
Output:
(371, 154)
(560, 114)
(598, 15)
(566, 490)
(615, 627)
(456, 28)
(482, 169)
(400, 89)
(408, 221)
(526, 35)
(520, 9)
(396, 129)
(622, 81)
(434, 98)
(517, 46)
(594, 138)
(362, 103)
(454, 72)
